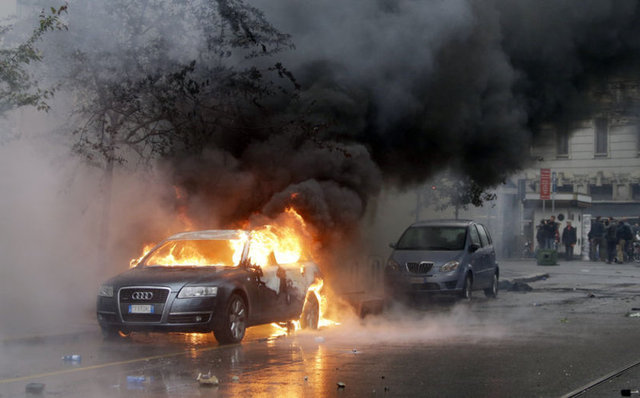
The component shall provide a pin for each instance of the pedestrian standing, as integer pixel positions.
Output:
(597, 240)
(554, 234)
(569, 239)
(610, 234)
(541, 234)
(623, 235)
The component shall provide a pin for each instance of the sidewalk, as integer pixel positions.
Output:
(570, 272)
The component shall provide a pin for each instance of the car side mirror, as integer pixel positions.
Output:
(392, 245)
(473, 247)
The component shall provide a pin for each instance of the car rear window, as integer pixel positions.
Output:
(176, 253)
(433, 238)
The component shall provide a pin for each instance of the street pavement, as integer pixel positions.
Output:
(564, 337)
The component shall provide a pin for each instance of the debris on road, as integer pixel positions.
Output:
(72, 358)
(633, 315)
(207, 380)
(306, 378)
(564, 320)
(136, 379)
(591, 295)
(341, 385)
(34, 388)
(515, 286)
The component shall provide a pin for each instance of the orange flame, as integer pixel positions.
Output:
(316, 289)
(146, 249)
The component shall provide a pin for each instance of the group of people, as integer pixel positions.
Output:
(611, 240)
(548, 236)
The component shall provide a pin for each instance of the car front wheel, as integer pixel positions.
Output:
(492, 292)
(467, 288)
(234, 322)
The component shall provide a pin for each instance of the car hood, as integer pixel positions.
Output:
(174, 277)
(438, 257)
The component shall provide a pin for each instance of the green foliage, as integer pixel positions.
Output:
(161, 88)
(450, 190)
(17, 87)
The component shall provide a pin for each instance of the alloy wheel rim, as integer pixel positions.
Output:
(237, 319)
(312, 317)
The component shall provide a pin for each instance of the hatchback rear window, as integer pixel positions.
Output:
(433, 238)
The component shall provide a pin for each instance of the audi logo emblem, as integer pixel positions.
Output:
(142, 295)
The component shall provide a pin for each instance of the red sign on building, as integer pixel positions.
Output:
(545, 184)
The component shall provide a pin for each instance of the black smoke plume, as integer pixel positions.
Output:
(320, 104)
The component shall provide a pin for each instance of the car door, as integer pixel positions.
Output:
(484, 274)
(475, 258)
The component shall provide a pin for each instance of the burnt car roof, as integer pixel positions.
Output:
(443, 223)
(210, 234)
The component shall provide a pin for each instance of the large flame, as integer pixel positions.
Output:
(285, 240)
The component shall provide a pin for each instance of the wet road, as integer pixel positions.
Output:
(572, 329)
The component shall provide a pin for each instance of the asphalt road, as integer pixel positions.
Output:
(565, 336)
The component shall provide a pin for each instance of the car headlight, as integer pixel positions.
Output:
(450, 266)
(198, 291)
(393, 265)
(106, 291)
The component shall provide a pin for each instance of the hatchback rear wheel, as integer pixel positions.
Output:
(310, 317)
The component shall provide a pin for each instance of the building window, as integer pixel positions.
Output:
(635, 191)
(567, 188)
(603, 192)
(601, 148)
(562, 143)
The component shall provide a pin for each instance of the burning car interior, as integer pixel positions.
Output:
(214, 280)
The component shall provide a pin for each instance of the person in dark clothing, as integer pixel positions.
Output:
(569, 239)
(552, 233)
(610, 235)
(623, 235)
(541, 234)
(596, 240)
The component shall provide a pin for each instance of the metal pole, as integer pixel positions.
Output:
(418, 204)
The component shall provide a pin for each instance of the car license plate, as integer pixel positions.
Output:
(140, 309)
(417, 279)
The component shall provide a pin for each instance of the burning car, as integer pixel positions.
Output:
(219, 281)
(442, 257)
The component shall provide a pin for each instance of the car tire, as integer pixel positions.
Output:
(310, 317)
(492, 292)
(467, 288)
(232, 326)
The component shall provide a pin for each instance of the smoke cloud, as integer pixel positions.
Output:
(398, 90)
(385, 93)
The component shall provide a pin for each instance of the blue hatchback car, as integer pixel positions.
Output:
(452, 257)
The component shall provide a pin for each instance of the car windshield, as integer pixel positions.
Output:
(433, 238)
(176, 253)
